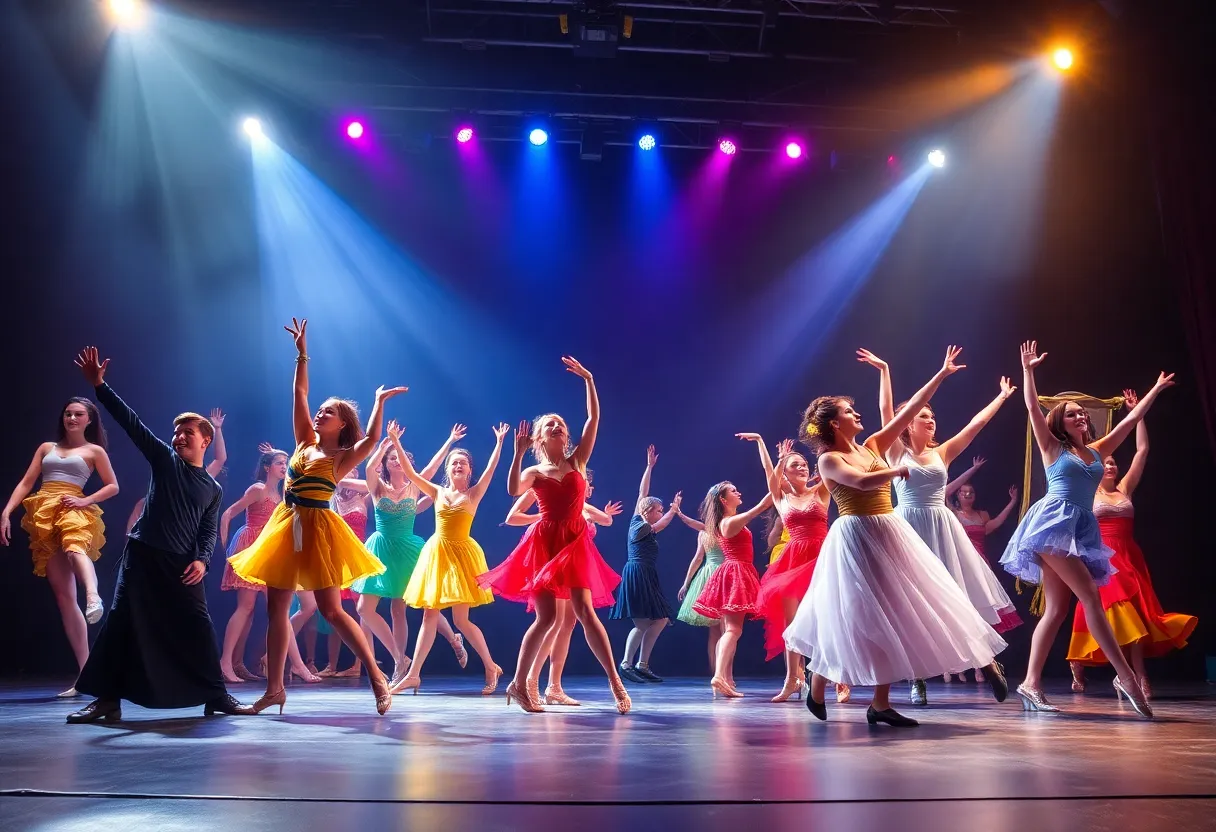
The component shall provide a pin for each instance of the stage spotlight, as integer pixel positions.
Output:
(354, 130)
(647, 142)
(126, 13)
(253, 128)
(1062, 58)
(538, 137)
(728, 147)
(464, 135)
(937, 158)
(793, 150)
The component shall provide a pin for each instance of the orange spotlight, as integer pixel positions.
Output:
(1062, 59)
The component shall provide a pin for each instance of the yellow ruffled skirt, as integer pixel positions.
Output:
(446, 575)
(305, 549)
(52, 527)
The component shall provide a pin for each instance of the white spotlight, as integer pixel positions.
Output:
(937, 158)
(253, 128)
(126, 13)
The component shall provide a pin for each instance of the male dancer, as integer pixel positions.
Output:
(157, 647)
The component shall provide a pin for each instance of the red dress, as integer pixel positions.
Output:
(735, 585)
(357, 520)
(1128, 598)
(557, 553)
(256, 516)
(790, 575)
(976, 535)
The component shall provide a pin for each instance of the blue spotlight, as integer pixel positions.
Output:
(647, 142)
(937, 158)
(538, 137)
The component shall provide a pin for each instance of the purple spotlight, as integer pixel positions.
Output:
(464, 135)
(355, 130)
(793, 150)
(728, 147)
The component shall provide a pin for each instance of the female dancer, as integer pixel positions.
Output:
(881, 606)
(305, 545)
(730, 593)
(398, 501)
(350, 501)
(922, 501)
(556, 646)
(802, 505)
(776, 536)
(64, 526)
(558, 560)
(1058, 542)
(215, 467)
(451, 561)
(705, 562)
(641, 594)
(1140, 625)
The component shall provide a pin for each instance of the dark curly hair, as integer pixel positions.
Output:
(815, 430)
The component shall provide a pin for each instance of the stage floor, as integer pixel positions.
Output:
(451, 759)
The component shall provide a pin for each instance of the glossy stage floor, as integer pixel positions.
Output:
(451, 759)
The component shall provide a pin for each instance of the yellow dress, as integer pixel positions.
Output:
(305, 544)
(53, 527)
(448, 566)
(780, 547)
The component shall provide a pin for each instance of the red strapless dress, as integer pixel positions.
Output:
(735, 585)
(556, 554)
(976, 535)
(790, 575)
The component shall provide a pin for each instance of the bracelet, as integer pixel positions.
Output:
(302, 357)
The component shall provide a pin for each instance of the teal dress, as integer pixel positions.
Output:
(713, 559)
(397, 547)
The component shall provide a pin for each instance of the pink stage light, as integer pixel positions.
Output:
(728, 147)
(464, 135)
(355, 130)
(793, 150)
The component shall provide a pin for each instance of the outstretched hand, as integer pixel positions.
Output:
(458, 432)
(613, 509)
(523, 438)
(394, 430)
(749, 437)
(652, 456)
(1164, 381)
(573, 366)
(297, 329)
(383, 393)
(675, 502)
(1030, 356)
(1130, 399)
(1007, 389)
(501, 431)
(1013, 493)
(94, 370)
(867, 357)
(948, 366)
(977, 461)
(217, 418)
(784, 448)
(265, 448)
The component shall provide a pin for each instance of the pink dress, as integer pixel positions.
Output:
(790, 575)
(557, 554)
(357, 520)
(255, 518)
(735, 586)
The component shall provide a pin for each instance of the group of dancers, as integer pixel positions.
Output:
(880, 595)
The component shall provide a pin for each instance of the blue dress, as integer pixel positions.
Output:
(1062, 522)
(640, 595)
(397, 547)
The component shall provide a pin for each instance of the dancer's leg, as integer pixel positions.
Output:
(86, 575)
(278, 634)
(401, 625)
(422, 647)
(724, 662)
(634, 640)
(473, 635)
(649, 637)
(329, 601)
(63, 583)
(594, 632)
(1072, 572)
(238, 624)
(373, 621)
(566, 620)
(529, 647)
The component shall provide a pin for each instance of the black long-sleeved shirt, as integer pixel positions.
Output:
(182, 510)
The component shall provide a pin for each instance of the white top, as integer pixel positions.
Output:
(71, 468)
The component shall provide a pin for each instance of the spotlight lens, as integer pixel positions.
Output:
(355, 130)
(1062, 58)
(464, 135)
(728, 147)
(647, 142)
(538, 137)
(793, 150)
(253, 127)
(125, 12)
(937, 158)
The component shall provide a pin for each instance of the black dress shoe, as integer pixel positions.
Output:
(227, 704)
(995, 676)
(645, 673)
(97, 709)
(631, 673)
(890, 717)
(819, 709)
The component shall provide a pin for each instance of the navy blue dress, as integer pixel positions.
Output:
(640, 595)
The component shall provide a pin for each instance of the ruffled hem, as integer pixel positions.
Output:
(640, 595)
(788, 578)
(733, 588)
(400, 556)
(528, 570)
(446, 576)
(240, 541)
(687, 614)
(1057, 527)
(53, 528)
(1009, 619)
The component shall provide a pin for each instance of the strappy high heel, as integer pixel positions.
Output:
(523, 700)
(244, 674)
(492, 685)
(1034, 700)
(384, 696)
(462, 655)
(1135, 696)
(1078, 677)
(533, 688)
(279, 697)
(790, 687)
(719, 686)
(407, 683)
(556, 696)
(623, 703)
(843, 693)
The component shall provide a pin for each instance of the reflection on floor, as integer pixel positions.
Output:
(451, 758)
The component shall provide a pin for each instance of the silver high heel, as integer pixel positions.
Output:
(1034, 700)
(1138, 701)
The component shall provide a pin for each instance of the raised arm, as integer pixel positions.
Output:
(886, 399)
(1108, 444)
(955, 445)
(586, 444)
(672, 510)
(886, 436)
(23, 489)
(518, 515)
(1132, 478)
(995, 523)
(372, 484)
(732, 525)
(301, 415)
(961, 480)
(94, 370)
(483, 482)
(375, 424)
(218, 446)
(693, 566)
(252, 494)
(423, 484)
(1049, 446)
(644, 485)
(833, 467)
(600, 517)
(519, 481)
(771, 477)
(432, 467)
(691, 522)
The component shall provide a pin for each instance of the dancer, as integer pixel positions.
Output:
(730, 593)
(350, 501)
(398, 502)
(556, 647)
(558, 560)
(157, 647)
(1140, 626)
(922, 501)
(640, 596)
(305, 545)
(451, 560)
(64, 526)
(802, 505)
(881, 606)
(705, 562)
(1058, 542)
(776, 536)
(215, 467)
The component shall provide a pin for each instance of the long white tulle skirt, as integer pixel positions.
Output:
(882, 608)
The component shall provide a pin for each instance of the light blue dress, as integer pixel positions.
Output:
(1062, 522)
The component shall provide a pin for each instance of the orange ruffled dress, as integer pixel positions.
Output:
(305, 544)
(52, 527)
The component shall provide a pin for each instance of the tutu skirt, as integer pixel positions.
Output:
(553, 557)
(52, 527)
(1130, 603)
(399, 554)
(640, 595)
(687, 614)
(788, 578)
(446, 575)
(733, 588)
(239, 542)
(882, 608)
(1058, 527)
(305, 549)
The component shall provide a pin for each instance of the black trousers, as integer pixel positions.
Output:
(157, 646)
